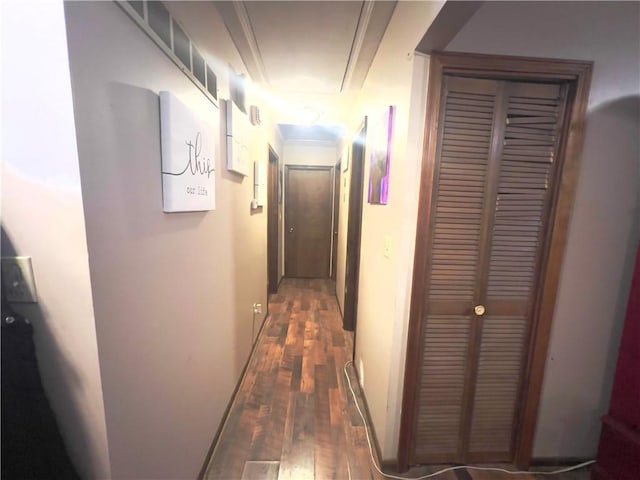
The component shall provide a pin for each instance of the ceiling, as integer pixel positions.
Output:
(304, 46)
(318, 133)
(310, 54)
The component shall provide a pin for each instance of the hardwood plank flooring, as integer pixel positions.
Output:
(294, 417)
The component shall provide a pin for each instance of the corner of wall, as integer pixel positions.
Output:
(43, 217)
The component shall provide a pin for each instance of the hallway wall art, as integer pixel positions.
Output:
(189, 152)
(381, 134)
(238, 133)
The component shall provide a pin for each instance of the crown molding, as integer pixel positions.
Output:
(372, 25)
(358, 41)
(237, 22)
(240, 10)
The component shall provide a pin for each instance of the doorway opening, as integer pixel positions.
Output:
(354, 230)
(308, 212)
(273, 232)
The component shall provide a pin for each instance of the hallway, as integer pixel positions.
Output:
(147, 315)
(293, 416)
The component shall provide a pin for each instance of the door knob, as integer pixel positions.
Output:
(291, 230)
(479, 310)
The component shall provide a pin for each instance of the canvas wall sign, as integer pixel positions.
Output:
(189, 154)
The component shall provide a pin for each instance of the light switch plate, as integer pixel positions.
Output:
(18, 281)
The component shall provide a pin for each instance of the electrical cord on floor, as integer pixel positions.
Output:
(448, 469)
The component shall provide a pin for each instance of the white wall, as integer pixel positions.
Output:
(42, 217)
(396, 77)
(220, 52)
(605, 225)
(173, 293)
(310, 153)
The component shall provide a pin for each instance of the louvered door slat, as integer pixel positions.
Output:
(497, 384)
(465, 142)
(519, 225)
(493, 182)
(446, 339)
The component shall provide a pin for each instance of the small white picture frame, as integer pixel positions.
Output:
(238, 133)
(260, 184)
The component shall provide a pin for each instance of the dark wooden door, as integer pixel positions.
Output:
(354, 229)
(493, 190)
(308, 199)
(272, 222)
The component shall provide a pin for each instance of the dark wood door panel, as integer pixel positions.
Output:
(272, 222)
(457, 222)
(494, 178)
(308, 226)
(352, 267)
(520, 213)
(503, 138)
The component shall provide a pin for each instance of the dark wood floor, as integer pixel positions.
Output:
(294, 417)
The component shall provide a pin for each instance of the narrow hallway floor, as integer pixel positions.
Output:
(294, 417)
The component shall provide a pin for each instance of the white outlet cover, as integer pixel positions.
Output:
(18, 281)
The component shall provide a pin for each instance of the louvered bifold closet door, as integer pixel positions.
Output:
(465, 132)
(534, 114)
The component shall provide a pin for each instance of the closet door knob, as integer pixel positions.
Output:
(479, 309)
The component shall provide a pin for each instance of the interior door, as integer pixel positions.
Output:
(354, 229)
(493, 190)
(272, 222)
(308, 200)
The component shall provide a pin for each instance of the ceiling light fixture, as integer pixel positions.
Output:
(307, 115)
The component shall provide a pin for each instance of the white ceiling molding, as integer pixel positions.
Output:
(231, 20)
(315, 134)
(311, 143)
(372, 25)
(358, 40)
(260, 74)
(321, 47)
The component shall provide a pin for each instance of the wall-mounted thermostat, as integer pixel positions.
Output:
(254, 115)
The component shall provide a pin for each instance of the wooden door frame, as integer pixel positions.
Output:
(287, 169)
(354, 232)
(272, 221)
(578, 75)
(336, 220)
